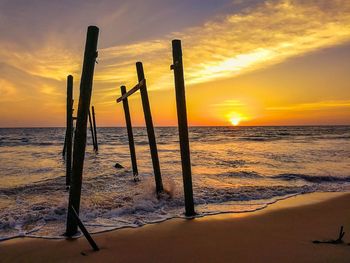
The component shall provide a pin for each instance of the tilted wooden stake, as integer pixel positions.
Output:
(84, 230)
(183, 127)
(81, 125)
(150, 128)
(69, 133)
(130, 133)
(95, 130)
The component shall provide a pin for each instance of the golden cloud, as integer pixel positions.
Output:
(7, 90)
(223, 47)
(51, 61)
(235, 44)
(320, 105)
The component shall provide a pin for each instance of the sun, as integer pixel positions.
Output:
(235, 118)
(235, 121)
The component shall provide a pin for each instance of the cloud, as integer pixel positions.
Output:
(235, 44)
(223, 47)
(7, 90)
(321, 105)
(51, 61)
(229, 103)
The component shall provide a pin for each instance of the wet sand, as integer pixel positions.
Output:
(283, 232)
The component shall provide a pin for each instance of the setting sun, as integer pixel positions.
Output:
(235, 118)
(235, 121)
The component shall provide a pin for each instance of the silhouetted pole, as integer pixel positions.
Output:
(64, 145)
(95, 130)
(183, 127)
(81, 125)
(69, 134)
(92, 130)
(150, 129)
(130, 133)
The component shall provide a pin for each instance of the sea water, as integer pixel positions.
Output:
(234, 169)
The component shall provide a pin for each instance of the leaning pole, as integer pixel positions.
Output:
(90, 56)
(150, 129)
(69, 133)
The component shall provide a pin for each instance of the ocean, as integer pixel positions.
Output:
(234, 169)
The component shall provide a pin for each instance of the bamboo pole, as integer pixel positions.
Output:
(183, 126)
(130, 134)
(90, 55)
(150, 128)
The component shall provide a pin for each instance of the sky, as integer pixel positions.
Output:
(274, 62)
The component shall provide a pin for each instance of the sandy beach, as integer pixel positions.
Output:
(283, 232)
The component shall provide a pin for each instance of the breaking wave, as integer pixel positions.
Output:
(312, 178)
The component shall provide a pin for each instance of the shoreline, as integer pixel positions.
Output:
(197, 217)
(226, 232)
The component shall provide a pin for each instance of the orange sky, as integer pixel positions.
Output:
(265, 63)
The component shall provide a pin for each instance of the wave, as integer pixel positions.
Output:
(28, 143)
(46, 217)
(113, 206)
(232, 163)
(44, 186)
(121, 224)
(312, 178)
(242, 174)
(47, 220)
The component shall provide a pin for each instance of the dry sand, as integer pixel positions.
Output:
(281, 233)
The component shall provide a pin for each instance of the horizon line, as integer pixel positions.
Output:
(194, 126)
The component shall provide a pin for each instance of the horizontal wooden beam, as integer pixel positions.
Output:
(132, 91)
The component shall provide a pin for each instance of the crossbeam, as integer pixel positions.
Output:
(132, 91)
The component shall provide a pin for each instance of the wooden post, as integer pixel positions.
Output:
(81, 125)
(64, 145)
(130, 133)
(92, 130)
(183, 127)
(95, 131)
(69, 134)
(150, 129)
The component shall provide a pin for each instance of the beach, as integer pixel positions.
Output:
(283, 232)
